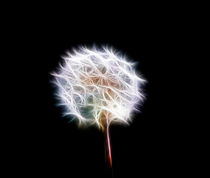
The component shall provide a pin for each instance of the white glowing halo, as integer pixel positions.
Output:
(91, 81)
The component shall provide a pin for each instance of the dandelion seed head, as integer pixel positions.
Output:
(98, 86)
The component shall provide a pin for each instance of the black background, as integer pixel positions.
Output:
(42, 143)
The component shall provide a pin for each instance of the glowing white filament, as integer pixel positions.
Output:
(92, 82)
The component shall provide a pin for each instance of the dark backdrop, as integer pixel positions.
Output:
(42, 143)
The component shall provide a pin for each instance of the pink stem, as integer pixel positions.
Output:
(109, 145)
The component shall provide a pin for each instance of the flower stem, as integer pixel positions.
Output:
(108, 145)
